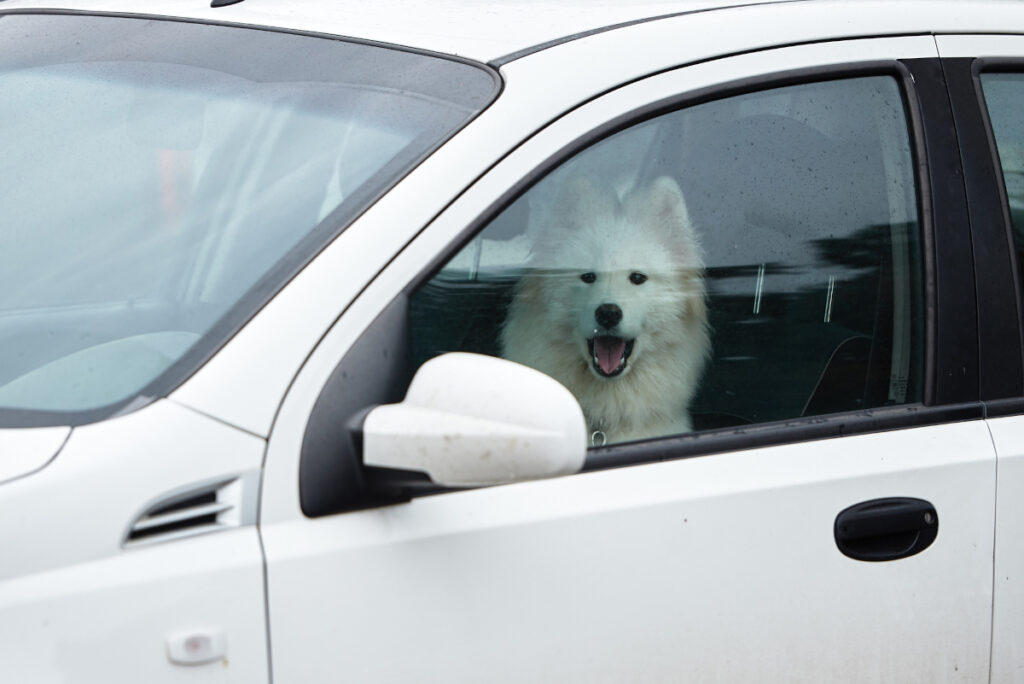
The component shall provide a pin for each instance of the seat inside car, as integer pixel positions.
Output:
(794, 225)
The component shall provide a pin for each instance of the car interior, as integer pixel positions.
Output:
(808, 279)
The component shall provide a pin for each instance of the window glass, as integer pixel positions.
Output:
(162, 179)
(1004, 95)
(744, 260)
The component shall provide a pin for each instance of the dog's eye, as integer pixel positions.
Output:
(588, 277)
(637, 278)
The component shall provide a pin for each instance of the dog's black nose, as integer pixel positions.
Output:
(608, 315)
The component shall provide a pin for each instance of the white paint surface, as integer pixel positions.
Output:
(469, 419)
(23, 451)
(714, 569)
(77, 607)
(492, 30)
(1007, 624)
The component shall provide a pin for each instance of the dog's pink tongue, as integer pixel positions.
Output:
(609, 351)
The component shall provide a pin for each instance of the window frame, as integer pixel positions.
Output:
(1001, 369)
(950, 353)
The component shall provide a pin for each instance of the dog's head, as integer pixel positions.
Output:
(620, 277)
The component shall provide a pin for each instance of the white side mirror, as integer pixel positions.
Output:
(469, 419)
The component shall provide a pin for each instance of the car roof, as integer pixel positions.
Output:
(499, 31)
(482, 30)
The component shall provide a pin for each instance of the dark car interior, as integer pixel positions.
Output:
(788, 340)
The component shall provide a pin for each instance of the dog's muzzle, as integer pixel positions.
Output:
(609, 354)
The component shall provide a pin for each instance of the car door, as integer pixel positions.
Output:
(834, 257)
(986, 81)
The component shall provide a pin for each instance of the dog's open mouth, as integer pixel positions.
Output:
(609, 354)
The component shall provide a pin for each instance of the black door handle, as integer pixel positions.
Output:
(886, 529)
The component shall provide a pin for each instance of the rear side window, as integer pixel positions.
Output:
(1004, 96)
(744, 260)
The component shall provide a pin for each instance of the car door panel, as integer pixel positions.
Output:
(1008, 589)
(718, 567)
(989, 119)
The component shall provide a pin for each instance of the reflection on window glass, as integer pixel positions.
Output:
(1004, 95)
(745, 260)
(162, 179)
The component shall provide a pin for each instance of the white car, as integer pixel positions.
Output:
(256, 266)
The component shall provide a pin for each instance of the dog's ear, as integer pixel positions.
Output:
(665, 203)
(663, 208)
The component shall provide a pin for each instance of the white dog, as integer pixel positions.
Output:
(612, 306)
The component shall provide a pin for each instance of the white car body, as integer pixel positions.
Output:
(721, 568)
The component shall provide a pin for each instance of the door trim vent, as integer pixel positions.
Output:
(197, 509)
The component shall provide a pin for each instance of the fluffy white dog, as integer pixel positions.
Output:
(612, 306)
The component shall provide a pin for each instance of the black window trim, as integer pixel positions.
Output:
(1001, 363)
(950, 347)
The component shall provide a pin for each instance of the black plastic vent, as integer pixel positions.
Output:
(201, 509)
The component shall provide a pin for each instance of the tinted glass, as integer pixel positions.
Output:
(1004, 95)
(161, 180)
(746, 260)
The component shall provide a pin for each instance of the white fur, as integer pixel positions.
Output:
(552, 314)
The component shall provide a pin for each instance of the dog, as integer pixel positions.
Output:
(612, 305)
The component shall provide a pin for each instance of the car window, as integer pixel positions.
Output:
(748, 259)
(163, 179)
(1004, 97)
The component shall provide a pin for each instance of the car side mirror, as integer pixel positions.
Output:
(473, 420)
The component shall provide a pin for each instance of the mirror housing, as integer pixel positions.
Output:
(473, 420)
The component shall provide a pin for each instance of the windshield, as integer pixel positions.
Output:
(159, 181)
